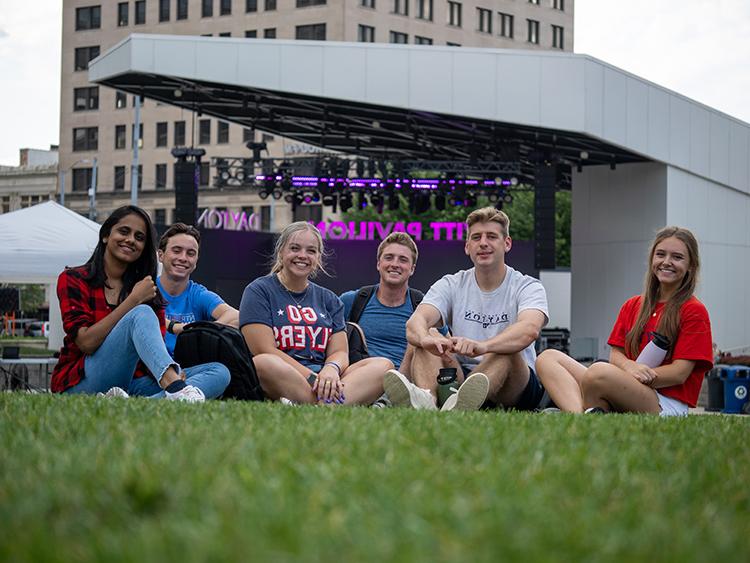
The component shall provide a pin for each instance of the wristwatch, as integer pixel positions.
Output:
(170, 327)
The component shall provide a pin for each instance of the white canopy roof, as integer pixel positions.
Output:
(37, 243)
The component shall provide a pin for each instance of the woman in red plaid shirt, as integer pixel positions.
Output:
(113, 316)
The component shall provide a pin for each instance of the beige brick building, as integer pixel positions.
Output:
(97, 122)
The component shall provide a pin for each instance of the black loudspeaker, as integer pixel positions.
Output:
(544, 216)
(186, 192)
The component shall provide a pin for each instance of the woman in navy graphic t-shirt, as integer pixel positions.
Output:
(296, 331)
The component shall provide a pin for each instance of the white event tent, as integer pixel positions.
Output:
(37, 243)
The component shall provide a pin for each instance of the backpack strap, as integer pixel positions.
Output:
(359, 303)
(416, 297)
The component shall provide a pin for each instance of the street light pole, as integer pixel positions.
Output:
(92, 193)
(136, 141)
(62, 188)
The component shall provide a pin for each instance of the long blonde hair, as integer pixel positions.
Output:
(669, 323)
(283, 240)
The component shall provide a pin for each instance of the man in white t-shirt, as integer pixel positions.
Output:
(494, 314)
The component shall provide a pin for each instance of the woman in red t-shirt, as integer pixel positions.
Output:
(667, 306)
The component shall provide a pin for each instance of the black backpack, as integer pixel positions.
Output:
(354, 333)
(205, 341)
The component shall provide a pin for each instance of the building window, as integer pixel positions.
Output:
(269, 6)
(534, 2)
(365, 34)
(164, 14)
(401, 7)
(86, 139)
(558, 37)
(119, 178)
(182, 9)
(134, 101)
(558, 5)
(161, 176)
(204, 175)
(179, 133)
(82, 179)
(222, 132)
(161, 134)
(140, 12)
(225, 34)
(315, 31)
(225, 7)
(160, 215)
(248, 135)
(85, 99)
(88, 17)
(367, 3)
(532, 35)
(140, 177)
(204, 132)
(121, 100)
(506, 25)
(251, 33)
(449, 44)
(422, 40)
(122, 14)
(85, 54)
(454, 13)
(265, 218)
(207, 8)
(140, 135)
(424, 10)
(269, 33)
(398, 37)
(306, 3)
(251, 6)
(120, 140)
(484, 20)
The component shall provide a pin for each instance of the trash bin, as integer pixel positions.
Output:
(736, 388)
(715, 389)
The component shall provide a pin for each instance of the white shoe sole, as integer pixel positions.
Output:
(398, 389)
(471, 395)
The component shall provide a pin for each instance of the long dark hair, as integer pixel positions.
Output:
(146, 265)
(669, 323)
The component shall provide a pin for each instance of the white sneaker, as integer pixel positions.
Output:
(403, 393)
(115, 392)
(470, 396)
(189, 394)
(287, 402)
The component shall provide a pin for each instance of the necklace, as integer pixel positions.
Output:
(299, 302)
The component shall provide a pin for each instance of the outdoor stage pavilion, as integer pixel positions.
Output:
(636, 156)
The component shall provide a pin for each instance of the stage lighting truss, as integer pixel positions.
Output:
(333, 185)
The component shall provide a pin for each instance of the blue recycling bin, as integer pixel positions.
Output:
(736, 388)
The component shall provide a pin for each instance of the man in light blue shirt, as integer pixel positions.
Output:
(187, 301)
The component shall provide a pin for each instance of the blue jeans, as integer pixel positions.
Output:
(137, 337)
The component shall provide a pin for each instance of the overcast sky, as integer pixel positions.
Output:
(699, 48)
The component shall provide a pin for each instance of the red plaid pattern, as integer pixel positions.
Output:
(81, 306)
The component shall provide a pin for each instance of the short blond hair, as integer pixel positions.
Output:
(489, 215)
(402, 239)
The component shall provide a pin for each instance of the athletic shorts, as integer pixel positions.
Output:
(671, 407)
(530, 397)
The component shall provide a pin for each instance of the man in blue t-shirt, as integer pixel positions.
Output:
(383, 319)
(187, 301)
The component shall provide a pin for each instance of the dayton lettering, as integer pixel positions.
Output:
(484, 319)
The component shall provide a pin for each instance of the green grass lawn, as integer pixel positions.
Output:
(91, 479)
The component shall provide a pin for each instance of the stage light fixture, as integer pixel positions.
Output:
(471, 200)
(263, 193)
(440, 201)
(289, 198)
(377, 201)
(361, 201)
(277, 193)
(513, 181)
(394, 202)
(508, 198)
(345, 201)
(330, 200)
